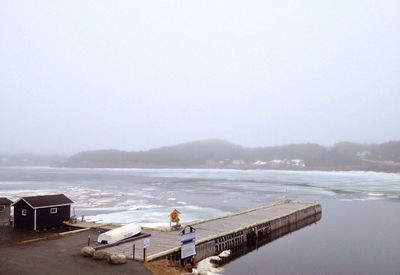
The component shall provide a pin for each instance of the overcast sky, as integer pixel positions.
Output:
(132, 75)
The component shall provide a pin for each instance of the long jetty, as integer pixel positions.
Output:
(221, 233)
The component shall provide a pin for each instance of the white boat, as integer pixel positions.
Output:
(119, 234)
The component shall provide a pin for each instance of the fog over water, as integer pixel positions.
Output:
(133, 75)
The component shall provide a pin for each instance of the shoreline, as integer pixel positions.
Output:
(306, 169)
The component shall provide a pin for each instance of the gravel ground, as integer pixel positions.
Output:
(60, 255)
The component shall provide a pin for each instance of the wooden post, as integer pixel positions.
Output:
(144, 254)
(133, 252)
(88, 240)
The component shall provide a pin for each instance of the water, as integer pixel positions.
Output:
(358, 237)
(358, 232)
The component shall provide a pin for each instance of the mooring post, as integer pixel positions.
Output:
(133, 252)
(88, 240)
(144, 254)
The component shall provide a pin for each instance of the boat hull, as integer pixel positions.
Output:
(119, 234)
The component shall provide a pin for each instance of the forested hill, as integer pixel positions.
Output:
(223, 154)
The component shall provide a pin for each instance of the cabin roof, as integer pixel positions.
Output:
(47, 200)
(5, 201)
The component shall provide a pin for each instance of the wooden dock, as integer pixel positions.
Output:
(221, 233)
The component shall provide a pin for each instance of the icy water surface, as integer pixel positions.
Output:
(358, 232)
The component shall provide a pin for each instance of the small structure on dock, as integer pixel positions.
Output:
(41, 212)
(5, 211)
(175, 219)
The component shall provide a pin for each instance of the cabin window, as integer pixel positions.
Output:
(53, 210)
(2, 207)
(23, 212)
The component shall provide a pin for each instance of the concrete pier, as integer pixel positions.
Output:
(226, 232)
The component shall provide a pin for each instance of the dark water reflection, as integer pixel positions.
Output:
(256, 242)
(356, 237)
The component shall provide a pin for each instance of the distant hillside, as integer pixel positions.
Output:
(222, 154)
(389, 151)
(183, 155)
